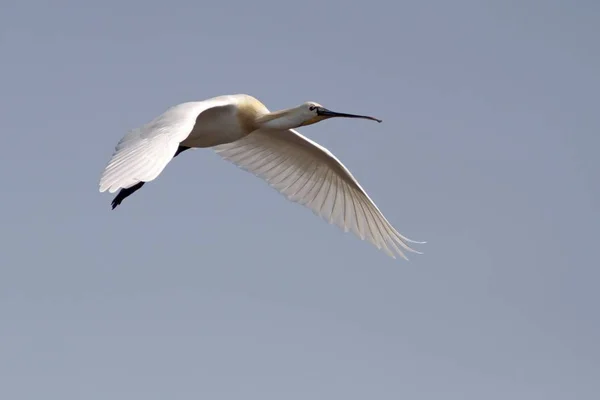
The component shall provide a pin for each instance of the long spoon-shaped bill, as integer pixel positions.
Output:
(331, 114)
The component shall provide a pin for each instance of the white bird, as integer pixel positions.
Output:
(243, 131)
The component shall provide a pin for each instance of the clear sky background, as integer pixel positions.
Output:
(209, 284)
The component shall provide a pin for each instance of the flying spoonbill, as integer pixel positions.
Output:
(242, 130)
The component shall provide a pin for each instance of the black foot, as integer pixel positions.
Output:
(124, 193)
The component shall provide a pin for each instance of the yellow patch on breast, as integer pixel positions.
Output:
(248, 112)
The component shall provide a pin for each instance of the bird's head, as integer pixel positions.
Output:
(305, 114)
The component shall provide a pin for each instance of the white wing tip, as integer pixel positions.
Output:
(103, 187)
(408, 248)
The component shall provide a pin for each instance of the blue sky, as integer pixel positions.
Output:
(207, 283)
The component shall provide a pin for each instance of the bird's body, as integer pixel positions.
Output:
(242, 130)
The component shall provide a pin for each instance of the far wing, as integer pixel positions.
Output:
(142, 154)
(309, 174)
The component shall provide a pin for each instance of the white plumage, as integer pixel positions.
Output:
(243, 131)
(142, 154)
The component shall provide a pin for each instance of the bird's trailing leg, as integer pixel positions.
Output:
(124, 193)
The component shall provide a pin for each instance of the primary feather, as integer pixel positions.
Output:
(309, 174)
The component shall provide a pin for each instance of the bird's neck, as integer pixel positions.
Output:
(282, 119)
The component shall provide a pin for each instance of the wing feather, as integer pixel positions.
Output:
(143, 153)
(308, 174)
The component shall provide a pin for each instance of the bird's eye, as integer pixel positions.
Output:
(311, 108)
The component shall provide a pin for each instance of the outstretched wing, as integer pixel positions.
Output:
(142, 154)
(309, 174)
